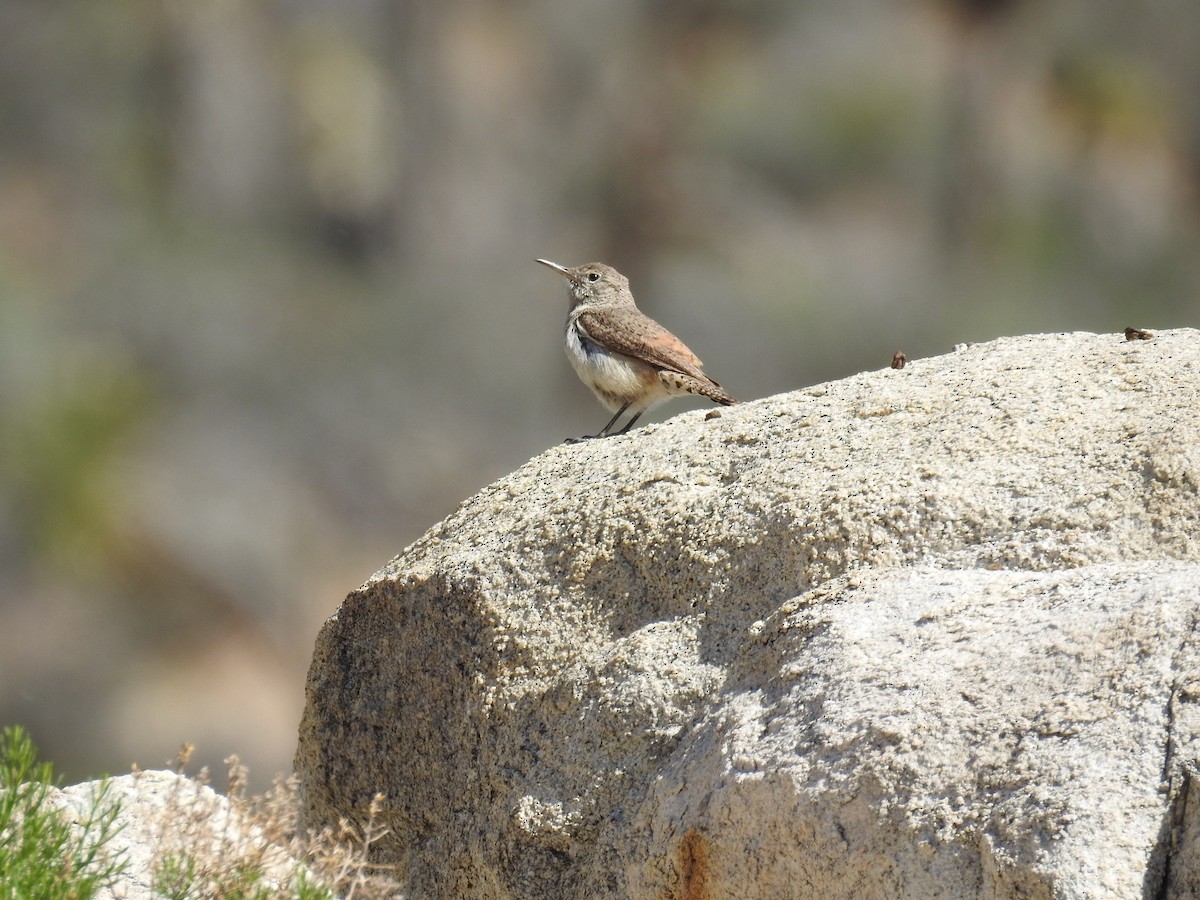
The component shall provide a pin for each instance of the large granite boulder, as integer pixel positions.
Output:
(927, 632)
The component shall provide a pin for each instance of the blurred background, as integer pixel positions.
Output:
(269, 310)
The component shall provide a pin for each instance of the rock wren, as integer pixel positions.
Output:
(628, 360)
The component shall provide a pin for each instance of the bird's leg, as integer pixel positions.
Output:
(629, 424)
(604, 430)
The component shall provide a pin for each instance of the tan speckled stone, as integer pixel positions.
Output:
(925, 632)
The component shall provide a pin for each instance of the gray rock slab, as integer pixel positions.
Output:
(925, 632)
(163, 813)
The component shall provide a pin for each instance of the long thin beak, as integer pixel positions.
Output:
(561, 270)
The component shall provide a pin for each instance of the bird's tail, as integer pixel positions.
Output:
(689, 384)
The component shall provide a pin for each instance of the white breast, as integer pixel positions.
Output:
(615, 379)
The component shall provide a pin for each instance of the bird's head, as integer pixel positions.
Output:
(593, 283)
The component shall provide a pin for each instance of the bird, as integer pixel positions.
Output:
(630, 362)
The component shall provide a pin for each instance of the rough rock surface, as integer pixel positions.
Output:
(927, 632)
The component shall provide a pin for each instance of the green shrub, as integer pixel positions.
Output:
(42, 854)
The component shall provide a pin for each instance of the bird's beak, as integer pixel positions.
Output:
(561, 270)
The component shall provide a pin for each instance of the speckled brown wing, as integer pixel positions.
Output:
(636, 334)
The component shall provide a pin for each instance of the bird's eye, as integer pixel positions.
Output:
(593, 276)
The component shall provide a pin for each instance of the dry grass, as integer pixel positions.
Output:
(256, 847)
